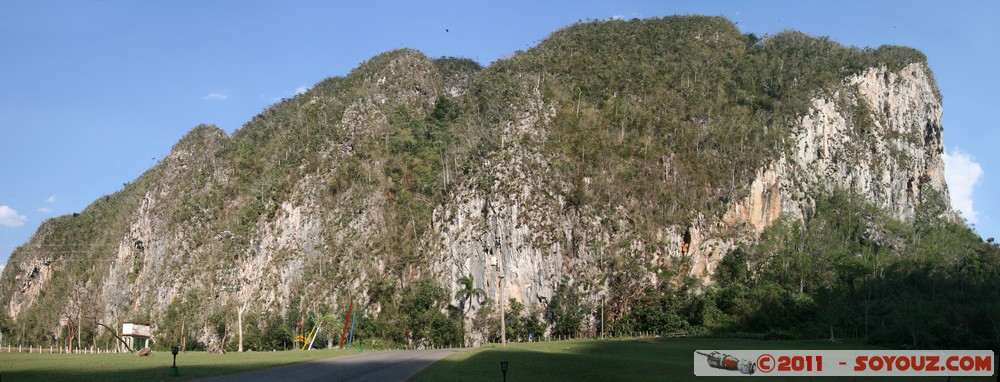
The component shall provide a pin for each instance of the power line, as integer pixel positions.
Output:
(58, 253)
(80, 260)
(61, 245)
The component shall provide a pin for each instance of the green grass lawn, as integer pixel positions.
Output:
(574, 360)
(129, 367)
(615, 360)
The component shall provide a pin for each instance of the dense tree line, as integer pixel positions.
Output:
(847, 272)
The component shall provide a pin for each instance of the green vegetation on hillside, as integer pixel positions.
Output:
(670, 116)
(849, 272)
(655, 121)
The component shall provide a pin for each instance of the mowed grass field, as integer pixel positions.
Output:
(129, 367)
(650, 359)
(615, 360)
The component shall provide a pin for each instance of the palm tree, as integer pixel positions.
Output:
(468, 291)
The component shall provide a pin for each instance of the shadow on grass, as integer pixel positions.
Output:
(552, 361)
(614, 360)
(127, 367)
(374, 366)
(384, 366)
(151, 373)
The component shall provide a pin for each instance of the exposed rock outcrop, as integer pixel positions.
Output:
(879, 134)
(310, 207)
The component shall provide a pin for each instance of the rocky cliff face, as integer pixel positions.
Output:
(879, 134)
(890, 160)
(888, 163)
(310, 205)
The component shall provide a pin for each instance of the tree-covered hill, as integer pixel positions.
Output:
(661, 175)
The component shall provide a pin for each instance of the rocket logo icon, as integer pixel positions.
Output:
(728, 362)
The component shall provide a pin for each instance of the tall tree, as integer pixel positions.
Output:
(468, 292)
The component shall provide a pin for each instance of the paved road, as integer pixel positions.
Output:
(380, 366)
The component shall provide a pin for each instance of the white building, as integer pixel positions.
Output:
(136, 334)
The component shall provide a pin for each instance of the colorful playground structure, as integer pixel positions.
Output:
(308, 340)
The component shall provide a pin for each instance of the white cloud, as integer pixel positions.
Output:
(50, 200)
(289, 94)
(9, 217)
(962, 172)
(215, 97)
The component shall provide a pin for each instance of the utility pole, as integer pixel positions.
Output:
(503, 323)
(183, 339)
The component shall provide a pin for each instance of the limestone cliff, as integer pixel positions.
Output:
(614, 156)
(492, 231)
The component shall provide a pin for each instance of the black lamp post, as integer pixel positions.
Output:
(173, 370)
(503, 368)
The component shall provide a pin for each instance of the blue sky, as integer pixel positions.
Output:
(93, 93)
